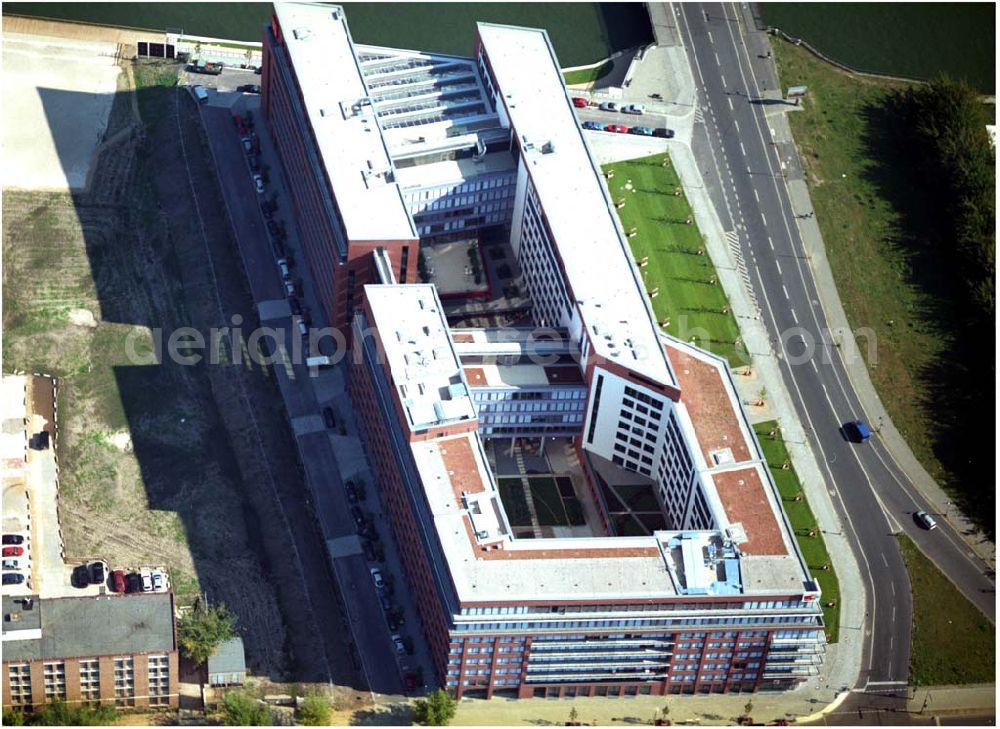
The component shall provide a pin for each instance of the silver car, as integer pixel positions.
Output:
(927, 521)
(608, 106)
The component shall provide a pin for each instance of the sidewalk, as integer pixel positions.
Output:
(842, 663)
(854, 363)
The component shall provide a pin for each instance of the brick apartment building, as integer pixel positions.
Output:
(112, 650)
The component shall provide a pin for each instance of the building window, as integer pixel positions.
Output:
(159, 680)
(90, 679)
(54, 674)
(20, 683)
(124, 682)
(403, 264)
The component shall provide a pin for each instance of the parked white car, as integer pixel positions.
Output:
(633, 109)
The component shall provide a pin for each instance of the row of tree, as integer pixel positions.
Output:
(946, 125)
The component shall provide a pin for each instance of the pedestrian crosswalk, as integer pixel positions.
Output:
(733, 241)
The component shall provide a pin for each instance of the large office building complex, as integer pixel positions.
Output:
(652, 555)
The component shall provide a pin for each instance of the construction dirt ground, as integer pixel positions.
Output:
(162, 463)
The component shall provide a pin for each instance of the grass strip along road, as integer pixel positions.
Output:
(690, 302)
(804, 525)
(952, 642)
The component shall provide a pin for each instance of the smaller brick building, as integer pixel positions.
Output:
(111, 650)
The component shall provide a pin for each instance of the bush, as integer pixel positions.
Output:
(58, 713)
(436, 710)
(314, 711)
(241, 709)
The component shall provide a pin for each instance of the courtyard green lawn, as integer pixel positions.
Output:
(514, 502)
(691, 303)
(803, 522)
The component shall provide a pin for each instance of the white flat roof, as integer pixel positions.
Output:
(419, 353)
(349, 141)
(598, 262)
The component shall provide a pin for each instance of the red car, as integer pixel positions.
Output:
(13, 551)
(118, 580)
(619, 128)
(580, 103)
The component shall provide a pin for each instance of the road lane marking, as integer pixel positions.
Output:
(743, 149)
(762, 217)
(756, 196)
(723, 79)
(717, 61)
(710, 37)
(815, 368)
(730, 100)
(770, 242)
(786, 291)
(736, 124)
(884, 560)
(778, 264)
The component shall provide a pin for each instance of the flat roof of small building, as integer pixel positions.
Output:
(522, 375)
(95, 626)
(591, 246)
(420, 355)
(343, 121)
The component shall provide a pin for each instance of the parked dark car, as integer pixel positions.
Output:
(272, 228)
(97, 575)
(13, 539)
(352, 492)
(254, 162)
(81, 576)
(12, 578)
(295, 305)
(133, 582)
(595, 126)
(665, 133)
(369, 550)
(265, 208)
(359, 517)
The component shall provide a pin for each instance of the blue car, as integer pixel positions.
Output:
(12, 578)
(592, 125)
(642, 131)
(857, 431)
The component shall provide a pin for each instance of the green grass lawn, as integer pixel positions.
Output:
(588, 75)
(802, 520)
(690, 296)
(890, 278)
(952, 642)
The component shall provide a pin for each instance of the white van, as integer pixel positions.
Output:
(201, 94)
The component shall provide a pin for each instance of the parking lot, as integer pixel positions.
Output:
(345, 504)
(32, 540)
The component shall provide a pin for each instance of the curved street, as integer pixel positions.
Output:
(742, 166)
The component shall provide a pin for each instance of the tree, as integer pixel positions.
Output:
(573, 715)
(241, 709)
(436, 710)
(203, 629)
(13, 717)
(314, 710)
(748, 707)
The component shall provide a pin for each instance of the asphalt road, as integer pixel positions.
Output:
(875, 499)
(374, 656)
